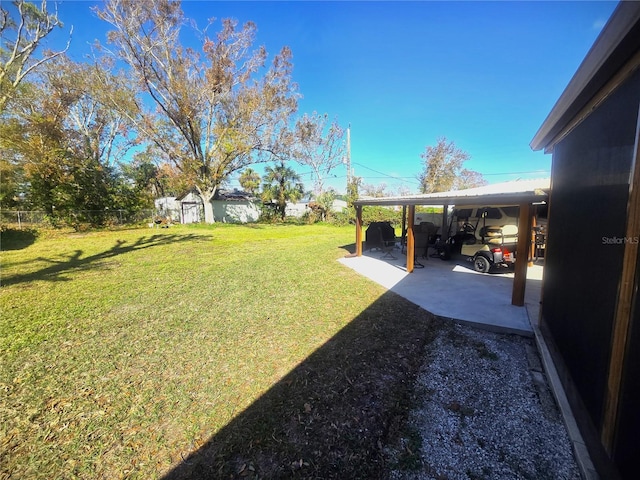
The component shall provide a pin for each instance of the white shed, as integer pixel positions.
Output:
(235, 207)
(167, 207)
(297, 209)
(191, 209)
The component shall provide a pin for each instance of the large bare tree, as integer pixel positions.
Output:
(103, 134)
(22, 32)
(319, 146)
(215, 111)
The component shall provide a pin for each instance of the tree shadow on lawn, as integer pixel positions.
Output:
(333, 414)
(75, 261)
(11, 239)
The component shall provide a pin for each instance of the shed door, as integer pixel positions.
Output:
(190, 212)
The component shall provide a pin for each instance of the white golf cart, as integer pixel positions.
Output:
(487, 237)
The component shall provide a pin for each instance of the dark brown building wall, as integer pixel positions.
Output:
(627, 447)
(587, 221)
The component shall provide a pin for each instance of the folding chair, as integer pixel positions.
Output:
(431, 230)
(387, 246)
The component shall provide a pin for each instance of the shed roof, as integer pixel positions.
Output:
(234, 196)
(506, 193)
(613, 57)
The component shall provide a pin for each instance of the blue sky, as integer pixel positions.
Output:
(482, 74)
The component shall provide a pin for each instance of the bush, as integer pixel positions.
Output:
(268, 214)
(310, 217)
(345, 217)
(372, 213)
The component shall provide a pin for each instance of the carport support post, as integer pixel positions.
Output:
(444, 234)
(411, 248)
(522, 255)
(532, 247)
(403, 238)
(358, 230)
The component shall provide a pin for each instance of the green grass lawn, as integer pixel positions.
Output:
(204, 352)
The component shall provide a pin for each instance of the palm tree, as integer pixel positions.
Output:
(250, 181)
(281, 185)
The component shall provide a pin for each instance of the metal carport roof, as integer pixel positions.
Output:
(506, 193)
(523, 193)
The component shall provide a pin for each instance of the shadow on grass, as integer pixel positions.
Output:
(11, 239)
(331, 416)
(75, 261)
(350, 248)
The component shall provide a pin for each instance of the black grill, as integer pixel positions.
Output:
(372, 235)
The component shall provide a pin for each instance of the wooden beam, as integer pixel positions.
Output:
(624, 305)
(532, 248)
(522, 255)
(359, 230)
(411, 244)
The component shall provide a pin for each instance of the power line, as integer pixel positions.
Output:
(385, 175)
(517, 173)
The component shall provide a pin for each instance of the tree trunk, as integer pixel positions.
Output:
(208, 212)
(207, 196)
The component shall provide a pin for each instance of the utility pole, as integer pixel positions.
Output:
(348, 157)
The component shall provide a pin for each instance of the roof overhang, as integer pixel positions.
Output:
(614, 56)
(507, 193)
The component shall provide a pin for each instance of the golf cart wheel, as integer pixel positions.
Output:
(481, 264)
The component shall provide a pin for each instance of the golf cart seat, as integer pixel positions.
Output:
(499, 235)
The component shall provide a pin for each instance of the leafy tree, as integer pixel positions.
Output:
(319, 146)
(353, 190)
(144, 180)
(66, 141)
(11, 179)
(281, 185)
(250, 181)
(172, 181)
(443, 169)
(59, 182)
(21, 37)
(323, 206)
(213, 113)
(34, 141)
(156, 179)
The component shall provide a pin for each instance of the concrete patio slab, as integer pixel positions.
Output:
(455, 291)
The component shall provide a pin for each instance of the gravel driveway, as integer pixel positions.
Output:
(483, 410)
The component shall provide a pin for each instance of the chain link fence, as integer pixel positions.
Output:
(31, 218)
